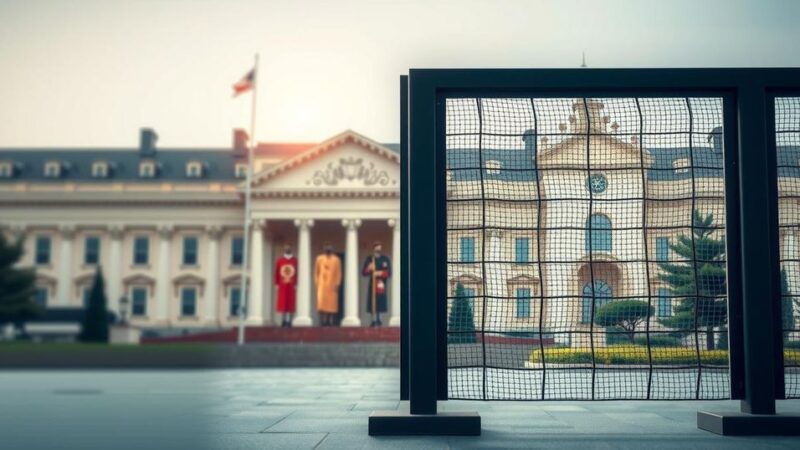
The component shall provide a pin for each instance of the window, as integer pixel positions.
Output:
(467, 250)
(52, 169)
(40, 296)
(600, 295)
(86, 294)
(100, 169)
(681, 165)
(596, 183)
(521, 248)
(6, 169)
(188, 301)
(663, 303)
(189, 251)
(141, 250)
(91, 254)
(236, 298)
(42, 250)
(237, 251)
(523, 302)
(139, 301)
(147, 169)
(241, 170)
(493, 166)
(598, 234)
(194, 169)
(662, 249)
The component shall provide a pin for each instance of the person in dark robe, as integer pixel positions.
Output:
(378, 268)
(285, 279)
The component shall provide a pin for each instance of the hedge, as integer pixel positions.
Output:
(637, 354)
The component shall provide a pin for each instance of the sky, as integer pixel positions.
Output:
(83, 73)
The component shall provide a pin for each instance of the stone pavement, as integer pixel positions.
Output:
(313, 408)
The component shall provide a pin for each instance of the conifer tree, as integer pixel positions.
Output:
(699, 280)
(461, 323)
(95, 319)
(16, 285)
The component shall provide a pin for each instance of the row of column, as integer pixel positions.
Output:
(261, 250)
(255, 313)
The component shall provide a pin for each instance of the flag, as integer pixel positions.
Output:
(246, 83)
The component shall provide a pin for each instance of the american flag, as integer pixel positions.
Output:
(246, 83)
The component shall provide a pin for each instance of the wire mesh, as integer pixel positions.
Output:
(787, 139)
(586, 249)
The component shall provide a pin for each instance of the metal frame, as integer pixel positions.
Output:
(751, 205)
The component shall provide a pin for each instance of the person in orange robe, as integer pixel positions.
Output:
(327, 277)
(285, 279)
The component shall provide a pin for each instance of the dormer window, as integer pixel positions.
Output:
(52, 169)
(681, 165)
(241, 170)
(100, 169)
(492, 166)
(6, 169)
(194, 169)
(147, 169)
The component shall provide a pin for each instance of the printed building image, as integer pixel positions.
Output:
(544, 228)
(166, 225)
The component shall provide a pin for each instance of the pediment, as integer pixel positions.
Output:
(138, 279)
(347, 161)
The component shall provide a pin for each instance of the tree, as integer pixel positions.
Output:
(16, 285)
(95, 319)
(700, 282)
(625, 314)
(461, 323)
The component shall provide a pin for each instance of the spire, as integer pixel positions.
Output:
(583, 60)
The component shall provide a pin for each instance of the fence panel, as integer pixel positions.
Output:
(586, 251)
(787, 140)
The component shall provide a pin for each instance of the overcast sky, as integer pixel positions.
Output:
(91, 73)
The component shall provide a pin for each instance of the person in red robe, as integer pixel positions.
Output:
(285, 279)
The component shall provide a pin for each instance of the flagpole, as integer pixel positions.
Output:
(244, 296)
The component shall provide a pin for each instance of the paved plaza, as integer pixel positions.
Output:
(314, 408)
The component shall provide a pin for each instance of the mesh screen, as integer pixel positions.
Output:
(586, 249)
(787, 127)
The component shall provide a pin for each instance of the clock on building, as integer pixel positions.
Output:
(597, 183)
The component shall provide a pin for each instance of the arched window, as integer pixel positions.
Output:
(601, 294)
(598, 234)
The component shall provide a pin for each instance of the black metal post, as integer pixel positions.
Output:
(403, 270)
(759, 264)
(422, 418)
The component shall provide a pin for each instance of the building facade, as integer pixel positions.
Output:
(165, 225)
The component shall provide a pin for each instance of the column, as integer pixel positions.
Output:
(351, 274)
(304, 263)
(212, 276)
(115, 268)
(255, 300)
(394, 321)
(64, 289)
(266, 275)
(164, 269)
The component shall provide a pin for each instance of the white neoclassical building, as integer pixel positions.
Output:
(165, 225)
